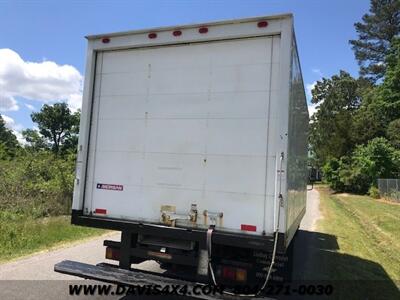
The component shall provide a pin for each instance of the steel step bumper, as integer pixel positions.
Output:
(133, 277)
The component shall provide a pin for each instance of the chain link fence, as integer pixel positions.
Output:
(389, 189)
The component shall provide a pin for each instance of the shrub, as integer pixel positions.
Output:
(374, 192)
(331, 172)
(39, 184)
(377, 159)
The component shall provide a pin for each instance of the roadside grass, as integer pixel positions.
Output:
(21, 235)
(367, 234)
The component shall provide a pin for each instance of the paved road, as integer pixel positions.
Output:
(313, 213)
(307, 241)
(40, 266)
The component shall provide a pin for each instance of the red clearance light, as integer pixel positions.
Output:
(228, 273)
(105, 40)
(177, 33)
(203, 30)
(247, 227)
(152, 35)
(262, 24)
(100, 211)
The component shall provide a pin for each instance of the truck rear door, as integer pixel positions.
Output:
(184, 124)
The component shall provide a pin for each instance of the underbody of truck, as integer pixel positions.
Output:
(239, 262)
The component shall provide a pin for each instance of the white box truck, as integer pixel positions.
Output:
(193, 144)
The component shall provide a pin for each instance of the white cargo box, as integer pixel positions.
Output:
(195, 118)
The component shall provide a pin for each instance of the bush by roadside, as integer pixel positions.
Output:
(35, 203)
(39, 184)
(359, 172)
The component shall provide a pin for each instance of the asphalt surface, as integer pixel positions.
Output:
(313, 213)
(33, 277)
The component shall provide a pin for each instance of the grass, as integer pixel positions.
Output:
(22, 235)
(364, 243)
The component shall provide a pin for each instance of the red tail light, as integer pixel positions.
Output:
(232, 273)
(100, 211)
(105, 40)
(247, 227)
(228, 273)
(152, 35)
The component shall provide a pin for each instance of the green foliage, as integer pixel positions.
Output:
(58, 125)
(8, 141)
(373, 192)
(37, 183)
(331, 126)
(390, 88)
(375, 33)
(22, 234)
(393, 133)
(35, 142)
(358, 173)
(3, 151)
(331, 174)
(381, 104)
(356, 131)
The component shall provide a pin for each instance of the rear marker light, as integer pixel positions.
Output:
(241, 275)
(203, 30)
(100, 211)
(112, 253)
(262, 24)
(247, 227)
(105, 40)
(152, 35)
(177, 33)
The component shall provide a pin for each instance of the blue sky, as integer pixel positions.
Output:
(53, 31)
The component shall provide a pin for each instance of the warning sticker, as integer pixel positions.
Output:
(112, 187)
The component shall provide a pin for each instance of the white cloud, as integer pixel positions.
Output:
(75, 102)
(30, 106)
(15, 127)
(43, 81)
(309, 88)
(318, 72)
(8, 103)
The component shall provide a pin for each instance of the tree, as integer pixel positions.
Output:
(375, 33)
(56, 124)
(34, 140)
(338, 98)
(71, 141)
(377, 159)
(381, 105)
(390, 88)
(7, 139)
(393, 133)
(360, 171)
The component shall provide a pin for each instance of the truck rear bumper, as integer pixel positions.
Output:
(133, 277)
(260, 242)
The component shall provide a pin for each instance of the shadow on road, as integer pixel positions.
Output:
(317, 261)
